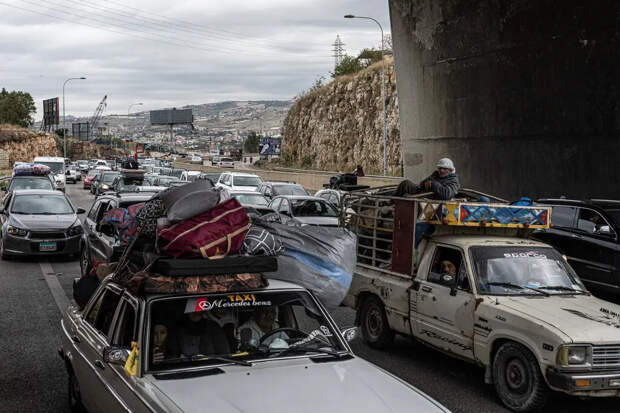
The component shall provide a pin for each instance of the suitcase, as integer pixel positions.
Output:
(213, 234)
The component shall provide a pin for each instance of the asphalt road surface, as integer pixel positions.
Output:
(33, 379)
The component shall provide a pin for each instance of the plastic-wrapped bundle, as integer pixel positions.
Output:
(321, 259)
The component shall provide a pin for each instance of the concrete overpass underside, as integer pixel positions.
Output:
(522, 94)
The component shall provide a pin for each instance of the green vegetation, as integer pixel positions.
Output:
(16, 108)
(350, 64)
(251, 143)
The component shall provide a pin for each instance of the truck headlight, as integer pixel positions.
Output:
(574, 355)
(20, 232)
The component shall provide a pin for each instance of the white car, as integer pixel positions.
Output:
(238, 181)
(57, 165)
(195, 159)
(226, 163)
(306, 210)
(190, 176)
(72, 175)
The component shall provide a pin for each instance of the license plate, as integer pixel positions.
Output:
(47, 246)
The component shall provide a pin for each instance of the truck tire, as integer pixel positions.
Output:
(518, 380)
(375, 328)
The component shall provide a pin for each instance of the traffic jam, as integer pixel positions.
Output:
(203, 286)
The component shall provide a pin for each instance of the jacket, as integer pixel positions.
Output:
(444, 188)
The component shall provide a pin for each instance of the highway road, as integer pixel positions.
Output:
(33, 379)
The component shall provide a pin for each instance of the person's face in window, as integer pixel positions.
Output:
(265, 318)
(448, 267)
(160, 334)
(444, 171)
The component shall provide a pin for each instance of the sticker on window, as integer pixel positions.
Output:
(230, 301)
(528, 254)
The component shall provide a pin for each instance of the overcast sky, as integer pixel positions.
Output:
(172, 53)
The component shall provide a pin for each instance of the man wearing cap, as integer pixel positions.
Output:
(444, 183)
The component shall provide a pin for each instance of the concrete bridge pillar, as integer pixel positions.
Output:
(522, 94)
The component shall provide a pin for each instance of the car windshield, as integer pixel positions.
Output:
(176, 183)
(130, 183)
(246, 181)
(237, 327)
(289, 190)
(56, 167)
(31, 182)
(39, 204)
(108, 178)
(523, 270)
(251, 199)
(313, 208)
(165, 180)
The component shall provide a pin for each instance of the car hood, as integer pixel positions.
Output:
(42, 222)
(331, 221)
(299, 385)
(585, 319)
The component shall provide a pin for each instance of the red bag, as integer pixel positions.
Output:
(214, 234)
(39, 169)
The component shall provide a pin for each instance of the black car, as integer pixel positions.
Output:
(273, 189)
(101, 242)
(586, 232)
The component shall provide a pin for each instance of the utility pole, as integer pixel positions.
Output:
(64, 130)
(338, 51)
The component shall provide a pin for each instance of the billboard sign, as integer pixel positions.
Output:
(171, 116)
(51, 112)
(81, 131)
(269, 146)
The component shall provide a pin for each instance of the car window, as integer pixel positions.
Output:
(333, 199)
(102, 312)
(103, 208)
(251, 199)
(92, 214)
(39, 204)
(563, 216)
(276, 203)
(126, 326)
(591, 221)
(446, 265)
(247, 181)
(289, 190)
(313, 208)
(285, 207)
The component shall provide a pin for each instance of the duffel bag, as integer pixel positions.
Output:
(39, 169)
(213, 234)
(147, 217)
(184, 202)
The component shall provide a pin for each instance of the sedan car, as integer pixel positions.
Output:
(105, 181)
(39, 222)
(253, 202)
(88, 178)
(72, 175)
(302, 363)
(273, 189)
(306, 210)
(238, 181)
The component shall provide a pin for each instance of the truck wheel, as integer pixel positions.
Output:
(375, 328)
(75, 400)
(518, 380)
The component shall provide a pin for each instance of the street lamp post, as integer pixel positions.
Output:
(64, 132)
(350, 16)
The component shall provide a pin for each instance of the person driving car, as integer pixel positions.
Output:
(263, 321)
(199, 336)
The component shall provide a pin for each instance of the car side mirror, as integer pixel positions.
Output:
(81, 211)
(350, 334)
(115, 355)
(604, 230)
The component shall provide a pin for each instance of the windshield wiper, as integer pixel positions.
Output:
(223, 359)
(563, 288)
(307, 349)
(519, 287)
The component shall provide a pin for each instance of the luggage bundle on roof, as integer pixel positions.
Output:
(193, 239)
(30, 169)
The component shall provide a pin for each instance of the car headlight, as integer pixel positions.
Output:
(20, 232)
(104, 187)
(574, 355)
(75, 230)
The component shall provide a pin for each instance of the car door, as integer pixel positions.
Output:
(595, 250)
(96, 241)
(91, 338)
(443, 303)
(107, 237)
(561, 235)
(125, 330)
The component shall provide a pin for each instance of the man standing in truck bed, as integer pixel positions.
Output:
(444, 183)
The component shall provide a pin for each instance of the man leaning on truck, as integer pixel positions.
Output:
(444, 183)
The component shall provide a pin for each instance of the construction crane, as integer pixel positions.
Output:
(96, 116)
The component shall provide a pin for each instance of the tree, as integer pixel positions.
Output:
(251, 143)
(347, 66)
(17, 108)
(369, 56)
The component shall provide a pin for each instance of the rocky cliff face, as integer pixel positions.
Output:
(340, 125)
(23, 144)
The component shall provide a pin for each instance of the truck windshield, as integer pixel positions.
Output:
(239, 327)
(56, 167)
(523, 270)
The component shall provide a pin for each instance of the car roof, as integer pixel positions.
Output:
(233, 192)
(30, 176)
(37, 192)
(241, 174)
(466, 241)
(298, 197)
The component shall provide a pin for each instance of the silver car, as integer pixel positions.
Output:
(39, 222)
(306, 210)
(268, 350)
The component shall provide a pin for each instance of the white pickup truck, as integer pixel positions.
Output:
(478, 289)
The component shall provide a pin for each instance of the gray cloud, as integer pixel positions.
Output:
(224, 50)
